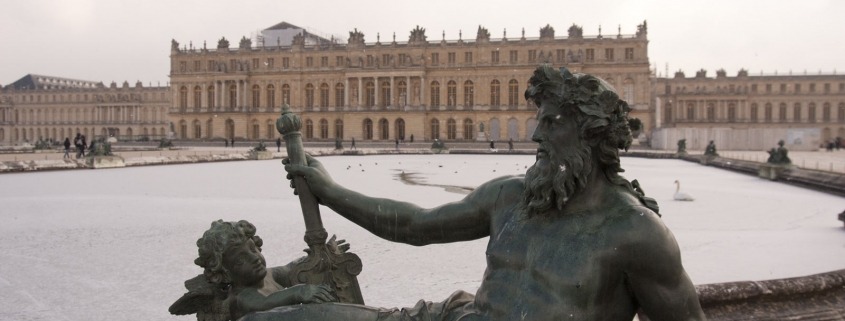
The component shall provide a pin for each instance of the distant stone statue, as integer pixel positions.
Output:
(682, 146)
(778, 156)
(569, 240)
(710, 150)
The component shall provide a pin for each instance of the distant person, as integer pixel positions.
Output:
(84, 144)
(67, 148)
(492, 145)
(226, 141)
(77, 143)
(412, 138)
(353, 142)
(397, 144)
(232, 143)
(278, 144)
(510, 144)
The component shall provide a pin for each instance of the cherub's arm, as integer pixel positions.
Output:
(249, 300)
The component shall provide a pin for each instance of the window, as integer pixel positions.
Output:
(608, 54)
(211, 65)
(270, 63)
(370, 60)
(451, 129)
(754, 112)
(494, 93)
(768, 113)
(384, 129)
(271, 96)
(368, 129)
(690, 112)
(435, 94)
(197, 97)
(782, 88)
(309, 96)
(403, 59)
(451, 56)
(435, 128)
(285, 63)
(469, 129)
(370, 94)
(513, 93)
(590, 55)
(797, 88)
(754, 88)
(385, 94)
(309, 61)
(254, 63)
(402, 87)
(338, 61)
(469, 96)
(629, 53)
(731, 113)
(560, 55)
(339, 95)
(628, 91)
(812, 88)
(513, 56)
(324, 62)
(324, 96)
(286, 94)
(782, 112)
(468, 57)
(711, 112)
(435, 58)
(451, 93)
(309, 129)
(826, 88)
(233, 96)
(183, 66)
(532, 55)
(256, 96)
(338, 129)
(197, 65)
(494, 56)
(768, 88)
(826, 112)
(210, 96)
(811, 112)
(796, 112)
(841, 113)
(324, 129)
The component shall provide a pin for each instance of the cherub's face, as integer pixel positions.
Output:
(245, 264)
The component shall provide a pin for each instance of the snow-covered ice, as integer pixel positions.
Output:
(116, 244)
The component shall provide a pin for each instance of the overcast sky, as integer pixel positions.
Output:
(108, 40)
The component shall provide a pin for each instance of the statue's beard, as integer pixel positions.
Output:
(551, 183)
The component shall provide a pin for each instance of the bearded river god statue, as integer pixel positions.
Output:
(569, 240)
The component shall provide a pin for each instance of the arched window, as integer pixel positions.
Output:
(399, 126)
(731, 112)
(451, 129)
(286, 94)
(451, 93)
(690, 112)
(767, 113)
(826, 112)
(309, 96)
(435, 128)
(255, 130)
(494, 93)
(233, 96)
(324, 129)
(271, 129)
(385, 94)
(384, 129)
(271, 97)
(368, 129)
(197, 97)
(469, 94)
(370, 94)
(339, 95)
(796, 112)
(782, 112)
(309, 129)
(469, 129)
(256, 96)
(754, 112)
(324, 95)
(513, 93)
(197, 129)
(711, 112)
(210, 96)
(840, 116)
(667, 114)
(338, 128)
(628, 91)
(183, 98)
(811, 112)
(435, 94)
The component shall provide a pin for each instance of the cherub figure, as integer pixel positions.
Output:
(236, 280)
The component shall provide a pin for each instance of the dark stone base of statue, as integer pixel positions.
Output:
(773, 171)
(707, 159)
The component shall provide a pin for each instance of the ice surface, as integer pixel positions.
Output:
(116, 244)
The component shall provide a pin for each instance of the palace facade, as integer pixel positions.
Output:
(748, 111)
(52, 108)
(385, 90)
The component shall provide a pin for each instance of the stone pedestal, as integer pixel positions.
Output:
(772, 171)
(260, 155)
(707, 159)
(482, 137)
(104, 162)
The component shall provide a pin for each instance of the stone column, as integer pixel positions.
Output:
(376, 92)
(360, 93)
(422, 91)
(393, 100)
(345, 93)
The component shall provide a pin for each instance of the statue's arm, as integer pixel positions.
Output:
(397, 221)
(249, 300)
(657, 278)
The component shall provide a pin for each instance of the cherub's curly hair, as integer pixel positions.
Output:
(601, 116)
(214, 243)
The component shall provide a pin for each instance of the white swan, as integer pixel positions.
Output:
(681, 196)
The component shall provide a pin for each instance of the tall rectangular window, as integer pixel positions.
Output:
(451, 56)
(560, 55)
(270, 63)
(768, 88)
(812, 88)
(514, 56)
(590, 54)
(629, 53)
(754, 88)
(254, 63)
(338, 61)
(309, 61)
(532, 55)
(435, 58)
(385, 59)
(494, 56)
(468, 57)
(324, 62)
(197, 65)
(797, 88)
(286, 63)
(608, 54)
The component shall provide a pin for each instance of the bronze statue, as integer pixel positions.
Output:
(710, 150)
(236, 280)
(682, 146)
(569, 240)
(779, 155)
